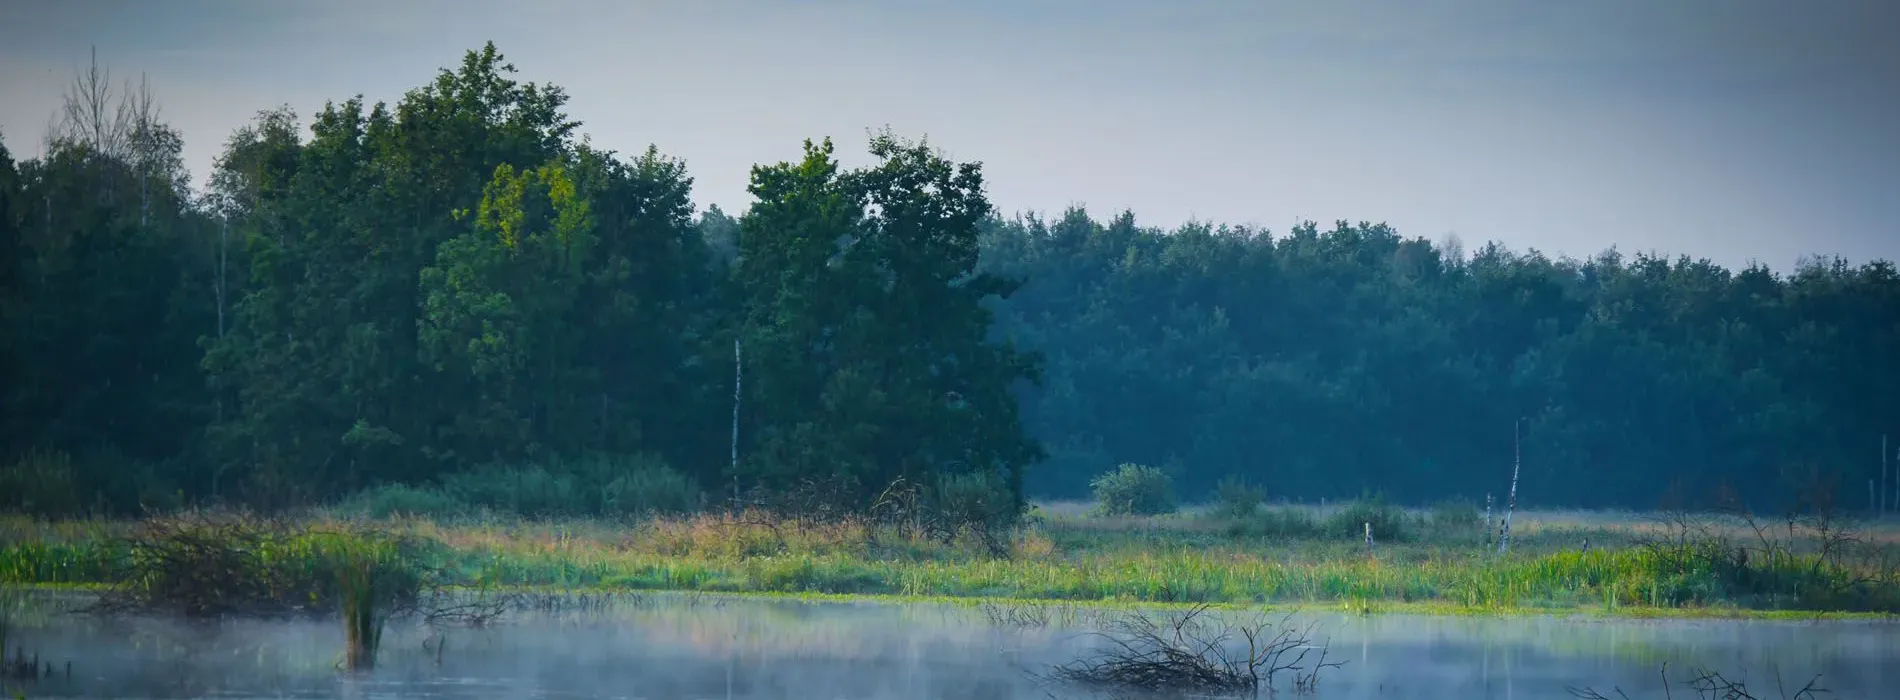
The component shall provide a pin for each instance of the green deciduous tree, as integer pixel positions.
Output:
(866, 327)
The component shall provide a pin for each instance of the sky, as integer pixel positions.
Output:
(1735, 130)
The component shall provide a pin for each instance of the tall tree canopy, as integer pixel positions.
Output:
(866, 324)
(459, 282)
(453, 282)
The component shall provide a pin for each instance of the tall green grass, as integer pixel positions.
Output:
(373, 577)
(1185, 562)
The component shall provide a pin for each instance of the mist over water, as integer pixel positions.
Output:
(666, 647)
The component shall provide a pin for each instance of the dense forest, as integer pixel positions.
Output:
(460, 282)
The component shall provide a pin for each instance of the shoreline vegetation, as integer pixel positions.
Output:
(1132, 569)
(1438, 561)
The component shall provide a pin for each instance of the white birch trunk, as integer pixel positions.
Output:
(1510, 507)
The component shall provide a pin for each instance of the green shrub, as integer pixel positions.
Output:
(609, 485)
(1235, 499)
(532, 491)
(643, 486)
(1277, 523)
(1388, 522)
(40, 483)
(978, 501)
(401, 499)
(1134, 489)
(1455, 517)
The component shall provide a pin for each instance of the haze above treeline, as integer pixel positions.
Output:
(456, 281)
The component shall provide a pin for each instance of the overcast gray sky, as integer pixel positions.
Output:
(1736, 130)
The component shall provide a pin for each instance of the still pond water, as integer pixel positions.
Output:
(667, 647)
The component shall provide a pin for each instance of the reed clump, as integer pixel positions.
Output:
(373, 582)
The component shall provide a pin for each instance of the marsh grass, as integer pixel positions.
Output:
(1187, 558)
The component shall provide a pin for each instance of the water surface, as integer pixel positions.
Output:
(696, 647)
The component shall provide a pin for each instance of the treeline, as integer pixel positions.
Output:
(1324, 364)
(459, 285)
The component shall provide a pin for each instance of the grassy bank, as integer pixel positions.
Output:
(1631, 566)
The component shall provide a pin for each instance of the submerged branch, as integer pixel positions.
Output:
(1712, 685)
(1189, 651)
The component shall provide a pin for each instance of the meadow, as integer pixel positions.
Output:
(1442, 559)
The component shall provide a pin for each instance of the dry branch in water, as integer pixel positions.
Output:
(1711, 685)
(1193, 652)
(1031, 615)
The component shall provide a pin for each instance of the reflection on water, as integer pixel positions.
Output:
(682, 647)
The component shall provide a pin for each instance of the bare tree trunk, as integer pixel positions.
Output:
(1517, 464)
(87, 117)
(111, 128)
(224, 235)
(224, 228)
(738, 376)
(143, 114)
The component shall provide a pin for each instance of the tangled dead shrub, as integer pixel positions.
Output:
(1194, 652)
(207, 565)
(976, 505)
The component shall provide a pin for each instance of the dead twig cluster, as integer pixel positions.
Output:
(1193, 652)
(572, 603)
(957, 505)
(202, 565)
(1711, 685)
(976, 506)
(442, 608)
(1015, 616)
(1030, 615)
